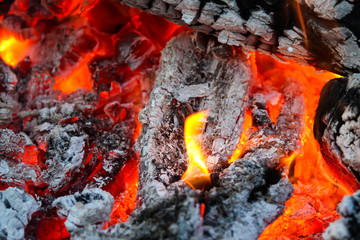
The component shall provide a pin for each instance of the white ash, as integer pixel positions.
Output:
(347, 227)
(11, 145)
(18, 173)
(65, 154)
(16, 208)
(92, 206)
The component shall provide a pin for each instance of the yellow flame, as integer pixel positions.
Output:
(244, 135)
(13, 50)
(197, 175)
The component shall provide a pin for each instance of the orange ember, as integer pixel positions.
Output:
(125, 202)
(197, 175)
(317, 192)
(12, 49)
(78, 78)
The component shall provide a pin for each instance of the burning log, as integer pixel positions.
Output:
(244, 196)
(324, 33)
(73, 150)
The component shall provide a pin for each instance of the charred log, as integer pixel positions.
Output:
(337, 126)
(320, 32)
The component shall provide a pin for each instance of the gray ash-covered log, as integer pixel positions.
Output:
(244, 196)
(318, 32)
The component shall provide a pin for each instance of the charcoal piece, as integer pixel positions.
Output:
(9, 107)
(133, 48)
(347, 227)
(16, 208)
(17, 174)
(63, 48)
(260, 117)
(90, 207)
(320, 32)
(337, 127)
(8, 79)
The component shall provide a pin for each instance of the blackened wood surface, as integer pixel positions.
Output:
(337, 128)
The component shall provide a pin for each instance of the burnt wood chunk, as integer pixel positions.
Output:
(337, 127)
(323, 32)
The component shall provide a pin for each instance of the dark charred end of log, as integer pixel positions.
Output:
(329, 99)
(336, 128)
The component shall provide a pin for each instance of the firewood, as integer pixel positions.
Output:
(320, 32)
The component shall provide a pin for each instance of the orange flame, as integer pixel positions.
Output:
(302, 23)
(244, 135)
(316, 191)
(197, 175)
(12, 49)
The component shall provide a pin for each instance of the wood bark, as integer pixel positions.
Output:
(323, 33)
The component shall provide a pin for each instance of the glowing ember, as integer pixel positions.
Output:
(317, 192)
(197, 175)
(79, 78)
(12, 50)
(127, 182)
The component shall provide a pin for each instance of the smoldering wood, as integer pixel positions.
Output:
(337, 125)
(325, 33)
(246, 195)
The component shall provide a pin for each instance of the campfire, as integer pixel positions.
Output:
(179, 119)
